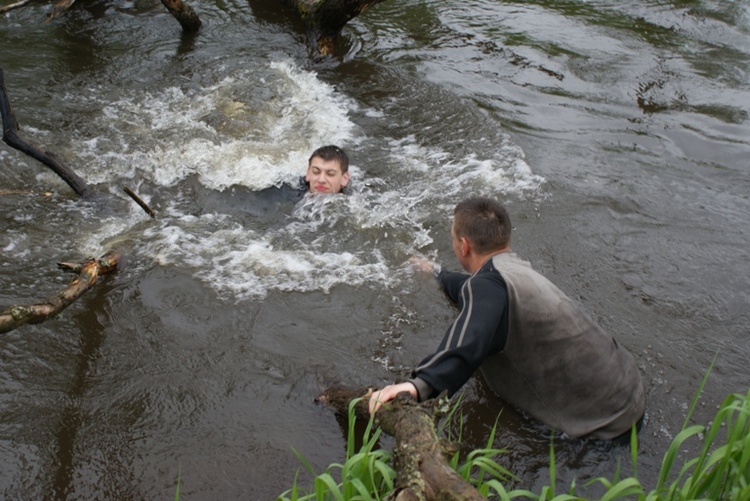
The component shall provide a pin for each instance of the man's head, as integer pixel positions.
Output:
(328, 170)
(481, 226)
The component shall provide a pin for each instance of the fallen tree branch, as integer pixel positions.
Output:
(423, 472)
(12, 139)
(88, 272)
(140, 202)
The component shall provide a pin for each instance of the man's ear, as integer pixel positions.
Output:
(465, 246)
(344, 179)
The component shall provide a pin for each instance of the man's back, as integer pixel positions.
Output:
(557, 364)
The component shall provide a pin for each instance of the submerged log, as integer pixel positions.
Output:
(324, 20)
(88, 272)
(423, 471)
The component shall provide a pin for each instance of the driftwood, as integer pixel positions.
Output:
(88, 272)
(324, 20)
(423, 472)
(140, 202)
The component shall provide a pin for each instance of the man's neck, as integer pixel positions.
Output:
(478, 260)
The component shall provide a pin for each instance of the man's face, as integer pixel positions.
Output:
(325, 176)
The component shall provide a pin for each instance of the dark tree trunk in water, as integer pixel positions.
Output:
(184, 14)
(324, 20)
(12, 139)
(423, 472)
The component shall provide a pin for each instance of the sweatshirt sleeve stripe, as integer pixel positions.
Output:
(467, 296)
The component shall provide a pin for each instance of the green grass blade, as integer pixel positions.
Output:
(700, 390)
(304, 461)
(624, 488)
(552, 472)
(326, 486)
(177, 490)
(671, 454)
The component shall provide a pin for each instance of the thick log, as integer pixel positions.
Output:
(88, 272)
(423, 472)
(324, 20)
(184, 14)
(12, 139)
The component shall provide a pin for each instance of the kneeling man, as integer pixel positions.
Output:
(537, 349)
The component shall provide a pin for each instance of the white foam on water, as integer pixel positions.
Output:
(242, 263)
(436, 173)
(15, 245)
(224, 134)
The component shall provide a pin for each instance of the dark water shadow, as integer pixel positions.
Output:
(92, 339)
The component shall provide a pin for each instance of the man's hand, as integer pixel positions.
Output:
(389, 393)
(423, 264)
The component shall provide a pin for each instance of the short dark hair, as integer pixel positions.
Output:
(332, 152)
(484, 222)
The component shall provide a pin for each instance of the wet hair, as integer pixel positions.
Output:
(484, 222)
(329, 153)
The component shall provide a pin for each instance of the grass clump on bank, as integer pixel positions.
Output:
(721, 470)
(366, 474)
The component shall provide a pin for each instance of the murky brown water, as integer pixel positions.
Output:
(616, 132)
